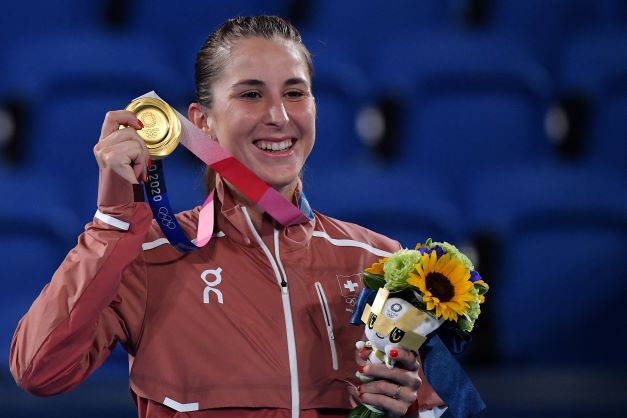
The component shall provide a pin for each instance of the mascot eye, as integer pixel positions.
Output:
(372, 320)
(396, 335)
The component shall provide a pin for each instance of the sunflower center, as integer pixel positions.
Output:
(439, 286)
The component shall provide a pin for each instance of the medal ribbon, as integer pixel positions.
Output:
(247, 182)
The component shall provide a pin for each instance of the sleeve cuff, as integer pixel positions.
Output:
(110, 220)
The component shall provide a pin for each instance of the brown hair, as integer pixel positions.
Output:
(211, 58)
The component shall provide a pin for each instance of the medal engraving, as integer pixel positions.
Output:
(155, 125)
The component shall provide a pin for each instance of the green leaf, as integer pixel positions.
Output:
(373, 281)
(363, 412)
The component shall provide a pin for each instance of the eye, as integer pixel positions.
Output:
(251, 95)
(294, 94)
(396, 335)
(372, 320)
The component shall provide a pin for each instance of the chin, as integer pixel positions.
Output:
(282, 185)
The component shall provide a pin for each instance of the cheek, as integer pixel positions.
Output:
(232, 127)
(305, 116)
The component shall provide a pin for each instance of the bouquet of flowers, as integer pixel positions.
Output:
(416, 292)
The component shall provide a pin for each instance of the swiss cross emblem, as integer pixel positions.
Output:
(350, 285)
(349, 288)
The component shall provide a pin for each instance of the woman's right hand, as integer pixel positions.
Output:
(123, 150)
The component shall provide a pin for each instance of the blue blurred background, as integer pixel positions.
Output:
(499, 125)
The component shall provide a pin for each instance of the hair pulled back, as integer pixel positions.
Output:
(211, 58)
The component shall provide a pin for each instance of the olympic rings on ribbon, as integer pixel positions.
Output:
(165, 219)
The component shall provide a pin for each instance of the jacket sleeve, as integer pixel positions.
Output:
(95, 298)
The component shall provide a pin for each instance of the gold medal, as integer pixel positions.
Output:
(162, 127)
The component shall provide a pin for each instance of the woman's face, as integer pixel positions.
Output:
(263, 111)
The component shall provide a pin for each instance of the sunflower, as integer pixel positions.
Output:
(377, 268)
(444, 284)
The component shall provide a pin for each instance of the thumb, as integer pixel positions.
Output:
(129, 174)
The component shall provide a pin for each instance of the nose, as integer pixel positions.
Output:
(276, 112)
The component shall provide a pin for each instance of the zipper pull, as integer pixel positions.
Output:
(283, 286)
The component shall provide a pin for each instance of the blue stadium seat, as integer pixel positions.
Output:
(558, 277)
(594, 68)
(363, 21)
(546, 27)
(37, 19)
(467, 104)
(341, 90)
(403, 206)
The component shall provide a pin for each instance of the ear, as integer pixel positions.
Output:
(199, 116)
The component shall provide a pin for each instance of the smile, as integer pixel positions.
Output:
(274, 146)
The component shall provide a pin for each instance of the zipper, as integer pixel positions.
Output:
(279, 272)
(326, 312)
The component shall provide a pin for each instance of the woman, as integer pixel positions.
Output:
(270, 337)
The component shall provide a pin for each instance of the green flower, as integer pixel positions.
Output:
(453, 251)
(397, 268)
(467, 322)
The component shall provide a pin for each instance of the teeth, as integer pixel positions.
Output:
(274, 146)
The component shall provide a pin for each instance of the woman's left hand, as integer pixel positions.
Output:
(393, 390)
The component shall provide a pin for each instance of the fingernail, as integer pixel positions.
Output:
(149, 163)
(141, 125)
(393, 353)
(145, 177)
(360, 369)
(363, 350)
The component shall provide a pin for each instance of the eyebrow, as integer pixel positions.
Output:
(258, 83)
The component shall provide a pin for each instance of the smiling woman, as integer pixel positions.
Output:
(256, 322)
(262, 110)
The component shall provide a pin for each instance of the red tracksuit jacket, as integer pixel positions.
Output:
(253, 324)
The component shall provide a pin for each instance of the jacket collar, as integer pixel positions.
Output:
(232, 221)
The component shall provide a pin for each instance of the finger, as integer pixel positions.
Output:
(396, 375)
(362, 352)
(127, 173)
(118, 151)
(112, 149)
(140, 171)
(353, 393)
(116, 118)
(392, 407)
(393, 390)
(404, 358)
(126, 159)
(120, 135)
(144, 158)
